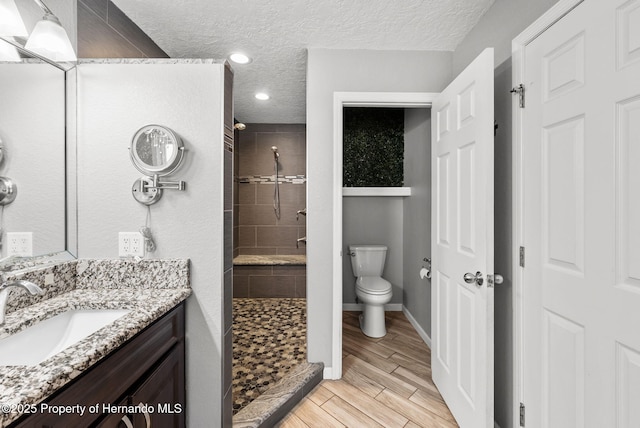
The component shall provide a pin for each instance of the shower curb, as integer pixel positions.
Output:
(277, 401)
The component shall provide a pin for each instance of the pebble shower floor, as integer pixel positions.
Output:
(269, 338)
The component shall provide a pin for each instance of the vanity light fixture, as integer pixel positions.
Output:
(262, 96)
(239, 58)
(49, 39)
(11, 23)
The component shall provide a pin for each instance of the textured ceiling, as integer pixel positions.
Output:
(276, 35)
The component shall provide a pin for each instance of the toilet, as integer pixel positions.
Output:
(367, 262)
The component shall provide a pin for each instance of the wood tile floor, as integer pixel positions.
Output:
(385, 382)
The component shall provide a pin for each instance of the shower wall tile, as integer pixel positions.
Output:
(288, 216)
(269, 127)
(272, 286)
(269, 281)
(236, 239)
(228, 181)
(301, 286)
(228, 299)
(288, 143)
(255, 251)
(290, 194)
(256, 215)
(289, 270)
(240, 285)
(281, 236)
(228, 240)
(247, 236)
(293, 251)
(253, 270)
(99, 7)
(247, 194)
(255, 188)
(227, 403)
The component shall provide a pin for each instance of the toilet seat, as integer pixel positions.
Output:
(373, 285)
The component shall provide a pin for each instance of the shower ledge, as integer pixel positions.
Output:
(376, 191)
(270, 260)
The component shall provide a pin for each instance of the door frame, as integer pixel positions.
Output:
(518, 49)
(341, 100)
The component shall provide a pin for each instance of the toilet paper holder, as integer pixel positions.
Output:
(425, 272)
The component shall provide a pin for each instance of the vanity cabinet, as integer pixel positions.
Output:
(148, 370)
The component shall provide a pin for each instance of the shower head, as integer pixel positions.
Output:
(274, 149)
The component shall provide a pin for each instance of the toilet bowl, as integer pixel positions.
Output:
(372, 290)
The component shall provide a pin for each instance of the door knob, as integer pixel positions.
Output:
(494, 279)
(470, 278)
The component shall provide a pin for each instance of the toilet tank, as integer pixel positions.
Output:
(367, 260)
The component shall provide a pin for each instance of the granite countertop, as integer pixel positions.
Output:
(270, 260)
(28, 385)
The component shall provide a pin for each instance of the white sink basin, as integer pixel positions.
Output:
(43, 340)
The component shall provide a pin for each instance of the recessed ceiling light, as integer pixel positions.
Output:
(262, 96)
(239, 58)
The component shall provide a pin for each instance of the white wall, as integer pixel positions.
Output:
(114, 101)
(346, 70)
(373, 221)
(417, 214)
(502, 22)
(32, 129)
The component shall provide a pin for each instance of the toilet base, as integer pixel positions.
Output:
(372, 321)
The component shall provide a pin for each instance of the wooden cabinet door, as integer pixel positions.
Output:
(163, 394)
(116, 420)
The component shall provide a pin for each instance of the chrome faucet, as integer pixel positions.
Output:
(299, 240)
(4, 293)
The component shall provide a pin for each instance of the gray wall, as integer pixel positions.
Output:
(498, 27)
(104, 31)
(417, 214)
(113, 103)
(377, 221)
(346, 70)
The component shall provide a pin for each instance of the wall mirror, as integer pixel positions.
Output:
(38, 153)
(156, 150)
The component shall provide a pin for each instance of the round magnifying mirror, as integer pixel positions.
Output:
(156, 150)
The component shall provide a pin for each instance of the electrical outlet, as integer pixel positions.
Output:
(130, 244)
(20, 244)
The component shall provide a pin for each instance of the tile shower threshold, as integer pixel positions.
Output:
(281, 398)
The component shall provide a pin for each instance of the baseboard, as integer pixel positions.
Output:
(423, 334)
(327, 373)
(392, 307)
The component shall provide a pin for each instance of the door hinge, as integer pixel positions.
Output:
(521, 256)
(521, 414)
(520, 91)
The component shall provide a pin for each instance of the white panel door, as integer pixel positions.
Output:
(581, 151)
(462, 231)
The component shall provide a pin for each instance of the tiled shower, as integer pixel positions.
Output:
(257, 230)
(269, 263)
